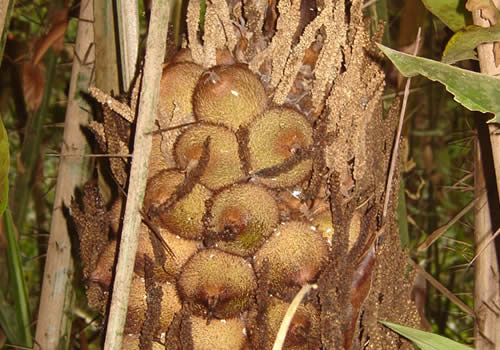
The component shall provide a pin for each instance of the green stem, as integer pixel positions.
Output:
(16, 276)
(30, 152)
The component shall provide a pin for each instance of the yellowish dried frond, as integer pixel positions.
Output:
(281, 43)
(193, 20)
(330, 57)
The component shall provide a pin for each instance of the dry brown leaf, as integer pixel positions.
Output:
(54, 38)
(487, 8)
(496, 51)
(33, 79)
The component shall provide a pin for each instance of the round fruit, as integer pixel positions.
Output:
(160, 187)
(323, 223)
(115, 216)
(273, 139)
(137, 306)
(132, 341)
(217, 283)
(304, 329)
(182, 249)
(224, 165)
(157, 160)
(294, 255)
(242, 217)
(229, 95)
(103, 272)
(221, 56)
(176, 89)
(183, 218)
(227, 334)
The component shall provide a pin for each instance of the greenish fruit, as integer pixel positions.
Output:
(177, 85)
(224, 166)
(274, 138)
(323, 223)
(137, 306)
(294, 255)
(184, 217)
(242, 217)
(222, 334)
(230, 95)
(217, 284)
(303, 332)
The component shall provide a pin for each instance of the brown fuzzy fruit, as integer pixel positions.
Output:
(182, 249)
(229, 95)
(223, 334)
(221, 57)
(243, 216)
(137, 306)
(184, 218)
(224, 166)
(276, 136)
(304, 330)
(115, 216)
(132, 341)
(176, 89)
(294, 255)
(217, 283)
(157, 160)
(103, 272)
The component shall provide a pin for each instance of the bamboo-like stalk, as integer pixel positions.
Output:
(54, 316)
(6, 7)
(486, 297)
(148, 103)
(486, 269)
(106, 65)
(128, 37)
(487, 66)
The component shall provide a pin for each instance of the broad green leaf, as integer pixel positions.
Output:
(18, 285)
(461, 45)
(4, 168)
(8, 320)
(425, 340)
(475, 91)
(451, 12)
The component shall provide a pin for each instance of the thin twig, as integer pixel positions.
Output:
(111, 155)
(445, 291)
(148, 104)
(491, 239)
(287, 320)
(440, 231)
(395, 150)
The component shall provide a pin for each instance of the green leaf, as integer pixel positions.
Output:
(461, 45)
(475, 91)
(8, 320)
(425, 340)
(18, 285)
(451, 12)
(4, 168)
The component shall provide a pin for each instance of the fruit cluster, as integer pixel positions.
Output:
(226, 212)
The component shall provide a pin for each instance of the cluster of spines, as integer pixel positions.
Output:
(219, 209)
